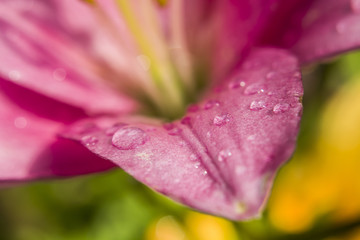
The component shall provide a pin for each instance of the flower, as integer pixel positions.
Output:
(116, 77)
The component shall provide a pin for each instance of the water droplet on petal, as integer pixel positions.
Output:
(223, 155)
(197, 165)
(281, 107)
(270, 75)
(175, 131)
(89, 140)
(254, 88)
(193, 108)
(193, 157)
(14, 75)
(59, 74)
(355, 6)
(236, 84)
(168, 126)
(20, 122)
(172, 129)
(221, 120)
(112, 130)
(295, 93)
(297, 74)
(186, 121)
(210, 104)
(205, 173)
(233, 85)
(257, 105)
(128, 138)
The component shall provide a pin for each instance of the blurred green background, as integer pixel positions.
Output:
(315, 196)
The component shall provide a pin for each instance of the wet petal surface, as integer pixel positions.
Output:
(222, 156)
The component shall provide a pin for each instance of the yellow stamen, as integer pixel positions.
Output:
(152, 46)
(179, 46)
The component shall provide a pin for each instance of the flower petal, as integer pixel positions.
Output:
(50, 47)
(323, 28)
(29, 147)
(222, 156)
(225, 29)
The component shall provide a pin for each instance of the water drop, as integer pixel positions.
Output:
(175, 131)
(168, 126)
(297, 74)
(14, 75)
(193, 157)
(270, 75)
(223, 155)
(210, 104)
(221, 120)
(20, 122)
(236, 84)
(295, 93)
(197, 165)
(355, 6)
(112, 130)
(193, 108)
(59, 74)
(257, 105)
(89, 140)
(280, 108)
(205, 173)
(128, 138)
(186, 121)
(233, 85)
(172, 129)
(254, 88)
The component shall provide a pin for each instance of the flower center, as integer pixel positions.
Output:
(159, 69)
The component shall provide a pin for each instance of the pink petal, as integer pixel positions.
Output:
(51, 47)
(228, 28)
(323, 28)
(29, 147)
(222, 156)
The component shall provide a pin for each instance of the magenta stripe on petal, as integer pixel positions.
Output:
(29, 146)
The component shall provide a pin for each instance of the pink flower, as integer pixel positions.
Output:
(79, 82)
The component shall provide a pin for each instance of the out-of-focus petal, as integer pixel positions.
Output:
(29, 146)
(222, 156)
(51, 47)
(225, 31)
(322, 28)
